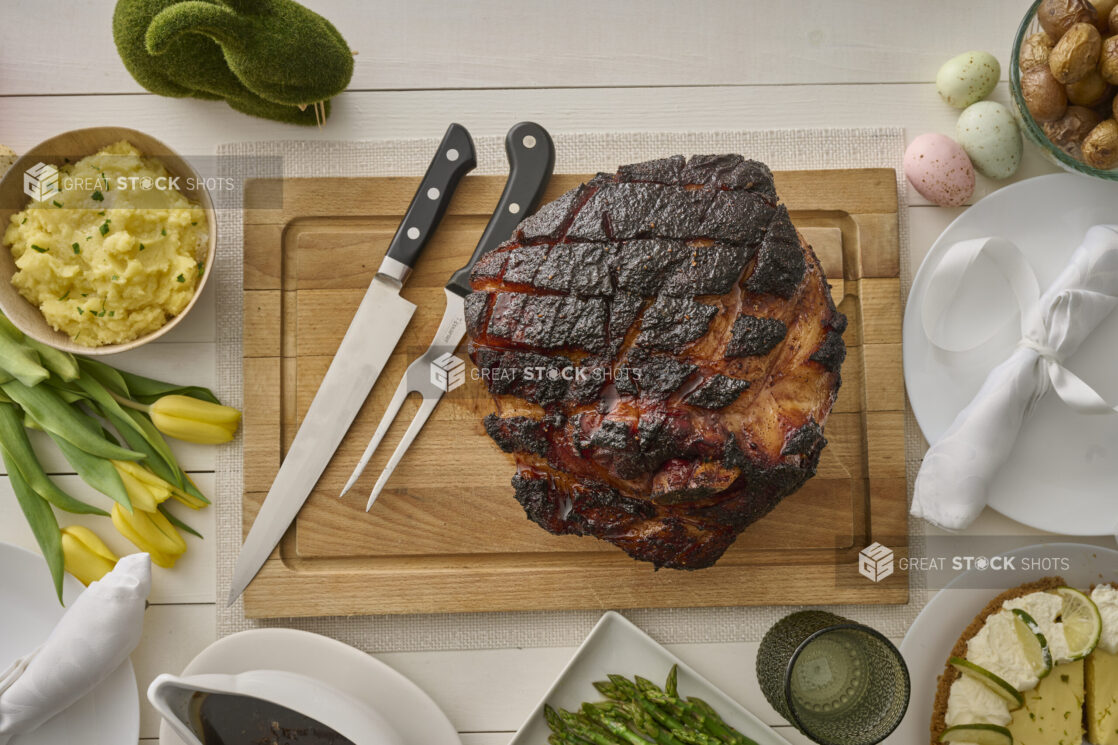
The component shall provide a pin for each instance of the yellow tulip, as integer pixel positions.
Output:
(194, 420)
(85, 555)
(151, 532)
(146, 490)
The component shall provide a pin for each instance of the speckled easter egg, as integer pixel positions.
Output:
(939, 169)
(967, 78)
(989, 135)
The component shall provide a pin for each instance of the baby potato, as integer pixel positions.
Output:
(1076, 53)
(1044, 97)
(1103, 7)
(1100, 148)
(1035, 50)
(1088, 91)
(1069, 131)
(1057, 16)
(1108, 60)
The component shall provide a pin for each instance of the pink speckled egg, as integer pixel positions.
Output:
(939, 169)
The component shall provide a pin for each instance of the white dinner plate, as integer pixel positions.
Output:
(29, 610)
(617, 646)
(403, 704)
(929, 640)
(1061, 474)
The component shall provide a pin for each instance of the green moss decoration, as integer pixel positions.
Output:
(269, 58)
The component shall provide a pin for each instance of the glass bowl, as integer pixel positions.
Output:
(1029, 126)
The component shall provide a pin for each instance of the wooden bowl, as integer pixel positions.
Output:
(74, 145)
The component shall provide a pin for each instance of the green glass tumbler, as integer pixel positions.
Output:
(837, 681)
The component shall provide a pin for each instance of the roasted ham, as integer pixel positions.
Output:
(663, 352)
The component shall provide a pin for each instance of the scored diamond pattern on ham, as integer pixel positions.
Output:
(663, 352)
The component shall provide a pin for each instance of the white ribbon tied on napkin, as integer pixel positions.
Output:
(951, 488)
(93, 638)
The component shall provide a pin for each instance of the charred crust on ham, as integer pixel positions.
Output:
(704, 346)
(717, 392)
(753, 336)
(831, 352)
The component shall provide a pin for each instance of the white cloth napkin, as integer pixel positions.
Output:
(951, 488)
(93, 638)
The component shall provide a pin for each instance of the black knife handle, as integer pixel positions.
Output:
(455, 158)
(531, 156)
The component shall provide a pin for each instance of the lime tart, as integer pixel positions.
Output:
(1038, 666)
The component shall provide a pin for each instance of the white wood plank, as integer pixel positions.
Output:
(194, 128)
(538, 43)
(194, 576)
(173, 636)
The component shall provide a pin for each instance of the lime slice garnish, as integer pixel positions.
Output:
(979, 734)
(1033, 642)
(1082, 622)
(996, 684)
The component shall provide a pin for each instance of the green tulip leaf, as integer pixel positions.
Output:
(20, 362)
(97, 472)
(55, 415)
(58, 362)
(177, 522)
(17, 448)
(41, 519)
(137, 387)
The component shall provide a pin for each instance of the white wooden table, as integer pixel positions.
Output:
(579, 65)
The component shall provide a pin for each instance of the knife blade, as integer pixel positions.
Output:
(376, 327)
(531, 155)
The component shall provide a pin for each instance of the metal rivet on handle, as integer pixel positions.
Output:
(432, 193)
(514, 208)
(413, 233)
(452, 155)
(529, 141)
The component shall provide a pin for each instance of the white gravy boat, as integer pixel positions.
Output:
(172, 697)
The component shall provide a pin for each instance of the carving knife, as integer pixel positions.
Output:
(531, 155)
(376, 327)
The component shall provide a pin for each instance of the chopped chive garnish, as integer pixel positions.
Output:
(56, 203)
(195, 222)
(112, 313)
(105, 227)
(141, 247)
(102, 212)
(77, 248)
(164, 231)
(97, 196)
(115, 278)
(40, 249)
(24, 221)
(181, 278)
(80, 311)
(66, 295)
(201, 268)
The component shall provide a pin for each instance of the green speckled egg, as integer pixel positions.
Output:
(989, 134)
(967, 78)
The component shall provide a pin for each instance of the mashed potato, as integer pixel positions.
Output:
(115, 254)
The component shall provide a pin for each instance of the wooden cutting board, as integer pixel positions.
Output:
(447, 534)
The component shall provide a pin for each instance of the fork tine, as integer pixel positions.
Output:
(398, 398)
(421, 417)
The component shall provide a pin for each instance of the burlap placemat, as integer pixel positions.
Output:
(576, 153)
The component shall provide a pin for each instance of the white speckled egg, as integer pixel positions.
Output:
(989, 134)
(939, 169)
(967, 78)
